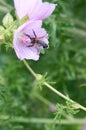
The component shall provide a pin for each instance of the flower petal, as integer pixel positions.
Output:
(39, 32)
(23, 7)
(43, 11)
(30, 25)
(24, 52)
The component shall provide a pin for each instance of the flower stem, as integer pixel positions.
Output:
(17, 119)
(50, 121)
(75, 105)
(29, 68)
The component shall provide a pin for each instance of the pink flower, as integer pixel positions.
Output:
(35, 9)
(29, 39)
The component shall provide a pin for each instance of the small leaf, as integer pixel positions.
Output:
(7, 20)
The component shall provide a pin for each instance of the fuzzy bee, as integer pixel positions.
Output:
(35, 41)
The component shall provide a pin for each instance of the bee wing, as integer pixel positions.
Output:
(42, 51)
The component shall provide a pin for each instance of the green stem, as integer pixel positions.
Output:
(72, 121)
(50, 121)
(75, 105)
(29, 68)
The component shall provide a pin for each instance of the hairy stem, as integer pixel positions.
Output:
(75, 105)
(29, 68)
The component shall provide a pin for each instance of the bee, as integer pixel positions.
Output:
(36, 41)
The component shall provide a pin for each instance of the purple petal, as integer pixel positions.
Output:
(24, 7)
(33, 25)
(24, 52)
(29, 25)
(43, 11)
(35, 9)
(40, 32)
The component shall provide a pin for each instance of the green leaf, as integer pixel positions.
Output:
(7, 20)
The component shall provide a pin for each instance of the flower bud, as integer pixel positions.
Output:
(39, 76)
(24, 19)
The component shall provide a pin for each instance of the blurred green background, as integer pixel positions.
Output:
(64, 62)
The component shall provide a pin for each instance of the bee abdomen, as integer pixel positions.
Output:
(43, 44)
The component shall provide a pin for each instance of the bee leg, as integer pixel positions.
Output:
(28, 35)
(34, 34)
(29, 45)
